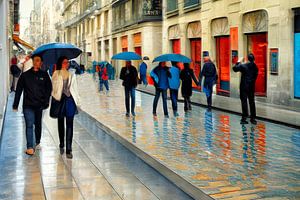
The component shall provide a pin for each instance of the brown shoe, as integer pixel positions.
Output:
(30, 151)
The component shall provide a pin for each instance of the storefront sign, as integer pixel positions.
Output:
(152, 8)
(274, 61)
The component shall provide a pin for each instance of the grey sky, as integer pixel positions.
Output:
(26, 6)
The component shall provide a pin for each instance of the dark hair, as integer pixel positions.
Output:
(37, 55)
(186, 65)
(251, 57)
(59, 62)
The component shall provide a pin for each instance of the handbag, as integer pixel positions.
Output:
(57, 108)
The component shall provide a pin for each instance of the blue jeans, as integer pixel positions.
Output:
(174, 98)
(33, 117)
(164, 97)
(130, 92)
(105, 82)
(144, 79)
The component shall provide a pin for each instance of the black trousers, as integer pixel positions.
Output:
(69, 132)
(245, 96)
(187, 103)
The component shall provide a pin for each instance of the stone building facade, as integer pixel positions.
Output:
(228, 29)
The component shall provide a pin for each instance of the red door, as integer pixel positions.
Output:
(196, 58)
(223, 65)
(257, 44)
(176, 49)
(138, 50)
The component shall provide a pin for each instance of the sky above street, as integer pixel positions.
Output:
(26, 6)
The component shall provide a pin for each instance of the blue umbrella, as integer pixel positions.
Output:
(172, 57)
(52, 51)
(127, 56)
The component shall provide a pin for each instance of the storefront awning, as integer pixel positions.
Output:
(22, 42)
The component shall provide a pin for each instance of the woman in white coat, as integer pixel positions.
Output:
(65, 89)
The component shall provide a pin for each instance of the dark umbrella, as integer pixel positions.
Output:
(52, 51)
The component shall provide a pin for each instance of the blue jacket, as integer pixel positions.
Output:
(174, 80)
(143, 68)
(160, 76)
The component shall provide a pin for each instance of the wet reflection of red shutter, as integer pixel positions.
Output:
(196, 57)
(223, 64)
(257, 44)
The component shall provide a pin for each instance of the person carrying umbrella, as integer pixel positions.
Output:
(174, 84)
(249, 72)
(103, 77)
(210, 73)
(66, 93)
(129, 75)
(36, 85)
(160, 75)
(187, 76)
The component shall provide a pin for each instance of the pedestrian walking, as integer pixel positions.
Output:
(65, 93)
(103, 77)
(174, 84)
(209, 73)
(249, 72)
(187, 76)
(143, 71)
(160, 75)
(15, 72)
(129, 75)
(36, 85)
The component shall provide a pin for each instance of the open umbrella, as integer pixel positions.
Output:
(52, 51)
(127, 56)
(172, 57)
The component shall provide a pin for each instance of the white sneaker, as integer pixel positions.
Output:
(38, 147)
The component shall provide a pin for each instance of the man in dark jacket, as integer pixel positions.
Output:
(249, 72)
(129, 75)
(210, 73)
(160, 75)
(37, 87)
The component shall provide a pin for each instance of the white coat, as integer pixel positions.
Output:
(57, 86)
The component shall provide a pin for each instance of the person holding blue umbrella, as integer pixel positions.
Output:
(160, 75)
(129, 75)
(174, 84)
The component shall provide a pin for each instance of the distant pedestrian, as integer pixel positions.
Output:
(160, 75)
(209, 72)
(36, 85)
(143, 71)
(129, 75)
(15, 72)
(187, 76)
(174, 84)
(65, 91)
(103, 77)
(249, 72)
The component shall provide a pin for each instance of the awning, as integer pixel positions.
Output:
(22, 42)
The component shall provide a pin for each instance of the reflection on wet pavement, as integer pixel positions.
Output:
(209, 149)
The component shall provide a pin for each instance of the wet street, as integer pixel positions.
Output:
(209, 150)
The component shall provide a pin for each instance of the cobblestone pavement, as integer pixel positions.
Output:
(209, 149)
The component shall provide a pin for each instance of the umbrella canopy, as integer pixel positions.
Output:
(52, 51)
(172, 57)
(127, 56)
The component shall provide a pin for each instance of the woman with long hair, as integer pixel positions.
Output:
(65, 90)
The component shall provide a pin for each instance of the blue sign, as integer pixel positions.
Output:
(297, 66)
(274, 61)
